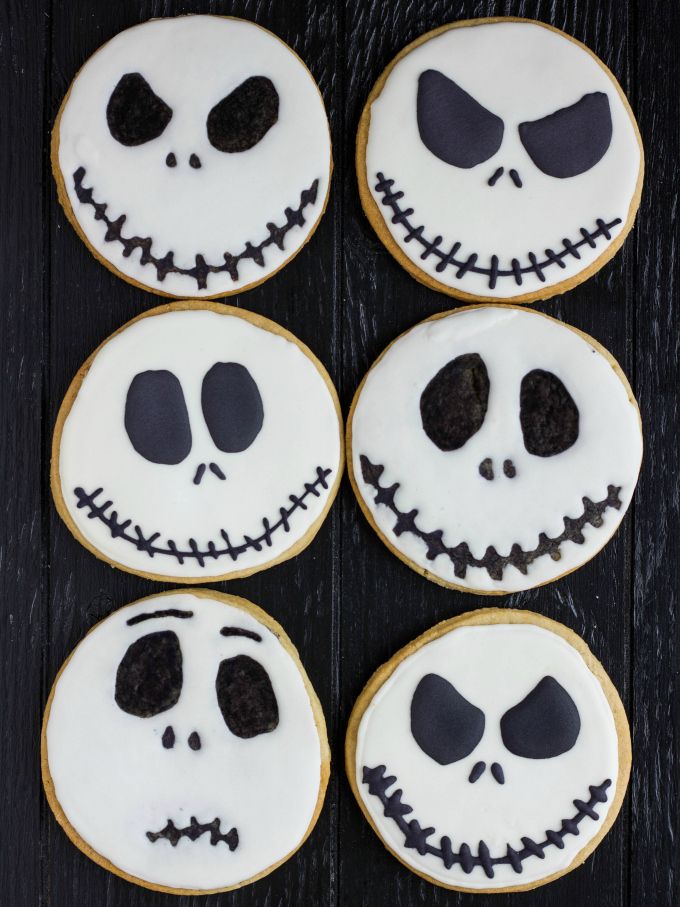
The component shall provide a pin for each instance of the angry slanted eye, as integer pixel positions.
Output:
(444, 724)
(135, 115)
(232, 406)
(453, 125)
(571, 140)
(246, 697)
(454, 403)
(243, 118)
(149, 677)
(548, 416)
(156, 418)
(546, 723)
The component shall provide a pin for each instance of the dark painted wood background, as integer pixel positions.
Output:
(346, 602)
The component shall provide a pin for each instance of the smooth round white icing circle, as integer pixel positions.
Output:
(226, 204)
(292, 464)
(115, 780)
(494, 667)
(446, 487)
(520, 72)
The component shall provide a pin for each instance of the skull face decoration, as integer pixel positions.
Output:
(198, 442)
(517, 169)
(184, 745)
(492, 753)
(495, 448)
(193, 155)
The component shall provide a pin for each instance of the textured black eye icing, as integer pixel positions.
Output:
(243, 118)
(232, 406)
(246, 697)
(156, 418)
(452, 125)
(571, 140)
(135, 114)
(149, 677)
(544, 724)
(454, 403)
(444, 724)
(547, 413)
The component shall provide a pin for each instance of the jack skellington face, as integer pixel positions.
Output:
(487, 754)
(193, 154)
(494, 448)
(199, 442)
(518, 165)
(184, 744)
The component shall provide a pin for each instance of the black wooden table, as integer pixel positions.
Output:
(346, 602)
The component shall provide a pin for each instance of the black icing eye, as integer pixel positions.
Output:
(156, 418)
(241, 119)
(149, 677)
(232, 406)
(246, 697)
(571, 140)
(452, 125)
(544, 724)
(454, 403)
(135, 114)
(547, 413)
(444, 724)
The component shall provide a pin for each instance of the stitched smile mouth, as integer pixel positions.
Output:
(535, 264)
(193, 832)
(494, 563)
(149, 543)
(415, 836)
(165, 264)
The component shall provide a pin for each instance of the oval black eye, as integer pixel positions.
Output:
(547, 413)
(241, 119)
(544, 724)
(156, 418)
(135, 114)
(246, 697)
(444, 724)
(232, 406)
(452, 125)
(149, 677)
(454, 403)
(571, 140)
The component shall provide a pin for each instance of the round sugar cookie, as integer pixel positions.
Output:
(494, 448)
(498, 159)
(492, 753)
(183, 746)
(193, 155)
(198, 442)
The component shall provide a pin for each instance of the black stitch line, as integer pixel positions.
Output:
(494, 563)
(98, 511)
(494, 272)
(201, 269)
(193, 831)
(416, 837)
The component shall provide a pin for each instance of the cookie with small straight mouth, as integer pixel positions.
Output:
(494, 448)
(492, 753)
(198, 442)
(498, 159)
(183, 747)
(193, 155)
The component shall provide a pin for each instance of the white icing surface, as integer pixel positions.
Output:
(446, 487)
(192, 62)
(520, 72)
(300, 432)
(115, 781)
(493, 667)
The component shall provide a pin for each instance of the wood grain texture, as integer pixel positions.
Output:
(345, 602)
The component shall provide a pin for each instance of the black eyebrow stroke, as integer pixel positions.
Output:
(168, 612)
(240, 631)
